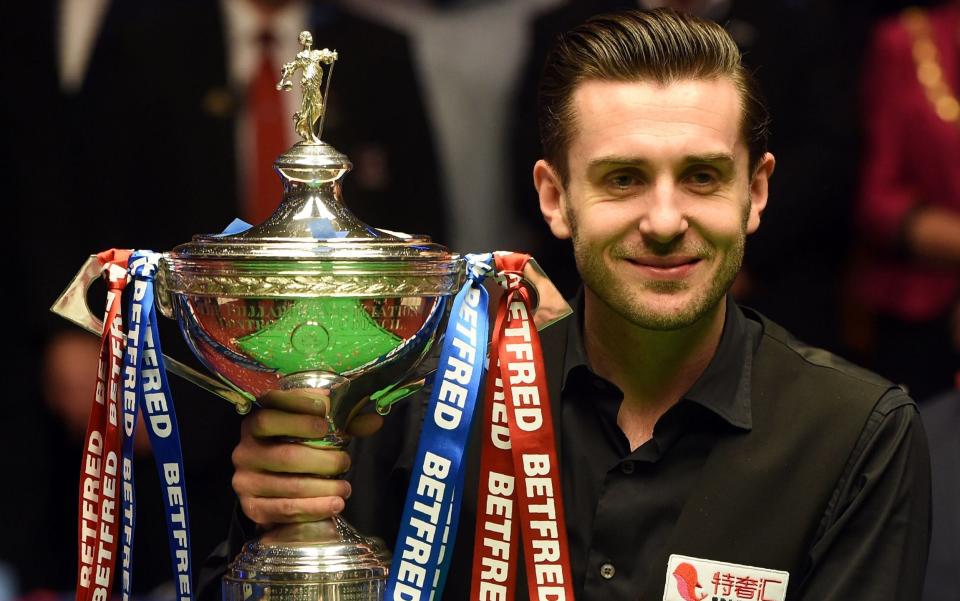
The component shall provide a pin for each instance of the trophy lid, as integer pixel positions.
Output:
(312, 245)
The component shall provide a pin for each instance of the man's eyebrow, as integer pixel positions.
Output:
(609, 161)
(717, 158)
(720, 159)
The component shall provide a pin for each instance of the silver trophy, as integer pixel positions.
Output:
(310, 298)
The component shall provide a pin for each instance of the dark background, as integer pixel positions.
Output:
(131, 160)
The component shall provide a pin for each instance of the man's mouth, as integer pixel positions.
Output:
(665, 267)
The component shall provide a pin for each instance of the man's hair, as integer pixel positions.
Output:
(659, 45)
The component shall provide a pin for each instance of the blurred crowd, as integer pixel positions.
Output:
(138, 123)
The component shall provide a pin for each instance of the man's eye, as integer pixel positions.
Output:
(702, 178)
(622, 181)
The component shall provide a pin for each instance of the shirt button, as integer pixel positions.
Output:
(627, 467)
(607, 571)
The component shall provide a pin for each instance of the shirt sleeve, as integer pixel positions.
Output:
(874, 538)
(215, 565)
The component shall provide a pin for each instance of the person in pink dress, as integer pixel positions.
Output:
(908, 278)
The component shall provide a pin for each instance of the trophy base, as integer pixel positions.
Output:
(315, 561)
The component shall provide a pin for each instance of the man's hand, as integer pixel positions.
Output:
(280, 481)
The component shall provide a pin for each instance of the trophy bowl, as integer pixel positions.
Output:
(353, 324)
(356, 345)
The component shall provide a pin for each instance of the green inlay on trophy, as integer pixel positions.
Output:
(331, 334)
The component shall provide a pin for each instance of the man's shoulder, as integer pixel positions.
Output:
(776, 340)
(782, 355)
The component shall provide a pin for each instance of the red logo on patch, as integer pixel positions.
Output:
(688, 582)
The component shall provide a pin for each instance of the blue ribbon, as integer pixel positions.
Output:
(431, 513)
(145, 387)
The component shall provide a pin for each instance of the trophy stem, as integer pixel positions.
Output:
(313, 561)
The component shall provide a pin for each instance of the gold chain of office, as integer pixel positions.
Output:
(929, 70)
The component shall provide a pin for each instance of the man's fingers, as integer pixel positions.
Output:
(264, 510)
(299, 414)
(281, 481)
(294, 486)
(364, 424)
(266, 423)
(288, 457)
(313, 401)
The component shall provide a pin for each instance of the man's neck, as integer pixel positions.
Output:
(653, 368)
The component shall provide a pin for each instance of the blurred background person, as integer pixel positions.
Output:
(906, 274)
(470, 54)
(907, 277)
(941, 420)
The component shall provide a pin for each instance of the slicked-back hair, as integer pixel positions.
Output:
(660, 46)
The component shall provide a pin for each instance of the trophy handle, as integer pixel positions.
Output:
(72, 306)
(549, 308)
(72, 303)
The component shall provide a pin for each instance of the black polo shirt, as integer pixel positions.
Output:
(622, 505)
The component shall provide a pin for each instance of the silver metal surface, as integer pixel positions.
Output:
(326, 560)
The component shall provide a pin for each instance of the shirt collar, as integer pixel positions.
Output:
(724, 386)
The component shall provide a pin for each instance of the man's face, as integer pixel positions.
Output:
(659, 199)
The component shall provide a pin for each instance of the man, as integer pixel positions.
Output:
(687, 425)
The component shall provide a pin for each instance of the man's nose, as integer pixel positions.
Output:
(663, 219)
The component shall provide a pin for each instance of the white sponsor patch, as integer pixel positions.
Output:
(693, 579)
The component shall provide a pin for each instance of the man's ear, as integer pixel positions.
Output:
(553, 199)
(759, 190)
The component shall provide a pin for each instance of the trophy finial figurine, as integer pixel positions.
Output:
(309, 119)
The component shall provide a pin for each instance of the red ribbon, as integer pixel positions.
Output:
(99, 509)
(519, 466)
(494, 561)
